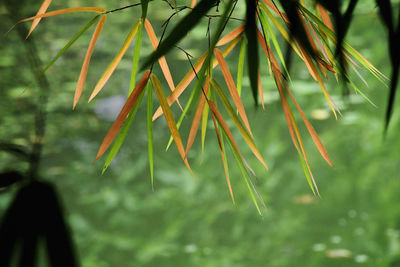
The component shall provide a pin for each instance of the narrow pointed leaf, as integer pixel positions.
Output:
(180, 31)
(260, 90)
(69, 44)
(114, 63)
(232, 88)
(296, 138)
(240, 67)
(269, 32)
(223, 158)
(150, 133)
(252, 47)
(136, 57)
(217, 33)
(162, 61)
(230, 36)
(280, 28)
(246, 136)
(64, 11)
(144, 4)
(119, 121)
(122, 134)
(314, 135)
(245, 175)
(170, 120)
(193, 96)
(325, 17)
(86, 62)
(197, 117)
(204, 120)
(215, 112)
(183, 84)
(41, 10)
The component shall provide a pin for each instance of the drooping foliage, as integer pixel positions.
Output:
(313, 30)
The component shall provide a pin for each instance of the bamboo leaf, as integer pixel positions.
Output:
(223, 158)
(296, 138)
(280, 28)
(180, 31)
(65, 11)
(69, 44)
(192, 97)
(197, 117)
(183, 84)
(252, 47)
(204, 120)
(215, 112)
(122, 134)
(144, 4)
(232, 88)
(270, 33)
(86, 62)
(260, 90)
(314, 135)
(332, 36)
(170, 120)
(119, 121)
(41, 10)
(150, 133)
(217, 33)
(230, 36)
(136, 57)
(114, 63)
(240, 67)
(246, 136)
(180, 88)
(226, 168)
(325, 17)
(162, 61)
(245, 175)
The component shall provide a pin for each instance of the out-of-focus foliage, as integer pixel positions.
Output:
(118, 221)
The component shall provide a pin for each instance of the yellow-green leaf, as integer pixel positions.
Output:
(114, 63)
(170, 120)
(85, 65)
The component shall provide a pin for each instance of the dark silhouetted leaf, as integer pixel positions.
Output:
(252, 47)
(8, 178)
(180, 31)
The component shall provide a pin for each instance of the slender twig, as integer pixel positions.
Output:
(122, 8)
(194, 70)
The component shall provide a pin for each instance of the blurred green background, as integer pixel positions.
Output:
(117, 220)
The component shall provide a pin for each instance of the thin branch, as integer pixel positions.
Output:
(122, 8)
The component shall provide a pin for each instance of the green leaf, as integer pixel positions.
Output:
(252, 47)
(269, 32)
(246, 136)
(144, 8)
(204, 120)
(225, 162)
(121, 136)
(180, 30)
(244, 173)
(69, 44)
(190, 103)
(220, 27)
(136, 57)
(150, 132)
(240, 66)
